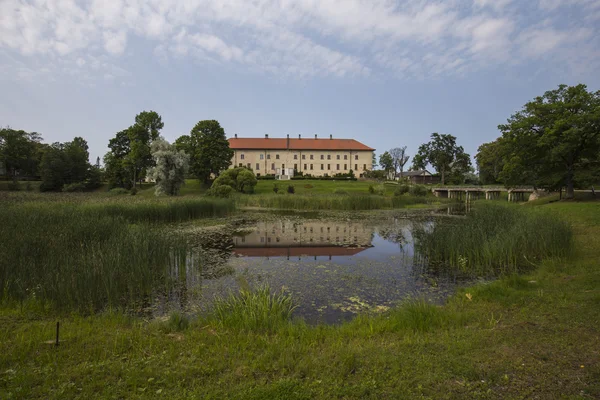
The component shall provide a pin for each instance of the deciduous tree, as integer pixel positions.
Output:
(490, 162)
(551, 140)
(19, 151)
(170, 169)
(442, 153)
(399, 159)
(208, 149)
(387, 163)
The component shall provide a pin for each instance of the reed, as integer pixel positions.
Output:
(253, 309)
(330, 202)
(493, 239)
(89, 256)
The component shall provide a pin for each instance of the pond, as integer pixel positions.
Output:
(333, 269)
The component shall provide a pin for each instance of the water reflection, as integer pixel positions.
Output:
(333, 269)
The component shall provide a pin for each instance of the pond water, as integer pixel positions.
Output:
(333, 269)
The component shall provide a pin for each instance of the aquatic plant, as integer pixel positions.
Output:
(493, 239)
(253, 309)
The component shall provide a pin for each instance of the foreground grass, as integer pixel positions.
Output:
(533, 336)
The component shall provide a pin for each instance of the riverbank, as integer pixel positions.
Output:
(522, 336)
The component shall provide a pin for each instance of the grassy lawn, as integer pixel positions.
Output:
(310, 186)
(532, 336)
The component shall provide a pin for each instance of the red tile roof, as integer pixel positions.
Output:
(296, 144)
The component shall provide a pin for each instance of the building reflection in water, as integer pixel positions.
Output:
(307, 239)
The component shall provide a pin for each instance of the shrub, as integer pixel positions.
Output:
(275, 188)
(133, 191)
(118, 191)
(291, 189)
(401, 189)
(14, 186)
(221, 191)
(418, 190)
(74, 187)
(239, 179)
(371, 189)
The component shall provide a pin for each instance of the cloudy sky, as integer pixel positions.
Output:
(385, 72)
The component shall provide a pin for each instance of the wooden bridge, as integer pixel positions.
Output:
(475, 193)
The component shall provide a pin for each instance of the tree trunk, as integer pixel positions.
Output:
(443, 176)
(570, 191)
(134, 177)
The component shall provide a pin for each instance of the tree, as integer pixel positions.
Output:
(399, 159)
(77, 158)
(442, 153)
(171, 167)
(552, 139)
(208, 149)
(490, 162)
(67, 163)
(130, 154)
(54, 168)
(19, 151)
(387, 163)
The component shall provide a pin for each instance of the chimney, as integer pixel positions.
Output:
(315, 136)
(288, 142)
(330, 137)
(266, 136)
(236, 135)
(299, 136)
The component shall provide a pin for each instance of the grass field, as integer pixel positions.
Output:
(530, 336)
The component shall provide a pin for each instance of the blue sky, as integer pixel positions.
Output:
(387, 73)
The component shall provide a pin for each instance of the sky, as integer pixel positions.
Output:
(387, 73)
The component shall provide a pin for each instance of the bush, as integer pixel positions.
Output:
(371, 189)
(14, 186)
(275, 188)
(291, 189)
(239, 179)
(74, 187)
(221, 191)
(265, 177)
(418, 190)
(118, 191)
(401, 189)
(133, 191)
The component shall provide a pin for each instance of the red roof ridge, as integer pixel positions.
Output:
(297, 144)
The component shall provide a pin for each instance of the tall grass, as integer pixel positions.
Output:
(90, 256)
(253, 310)
(494, 239)
(330, 202)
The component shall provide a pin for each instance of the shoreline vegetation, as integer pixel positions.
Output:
(499, 339)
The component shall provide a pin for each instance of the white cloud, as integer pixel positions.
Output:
(304, 38)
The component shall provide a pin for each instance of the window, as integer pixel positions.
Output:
(356, 167)
(345, 167)
(240, 164)
(295, 167)
(322, 167)
(277, 156)
(329, 167)
(345, 156)
(338, 167)
(365, 167)
(311, 157)
(273, 167)
(295, 156)
(268, 156)
(248, 165)
(322, 157)
(356, 156)
(311, 167)
(282, 167)
(257, 166)
(338, 156)
(329, 156)
(304, 156)
(241, 156)
(305, 167)
(262, 156)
